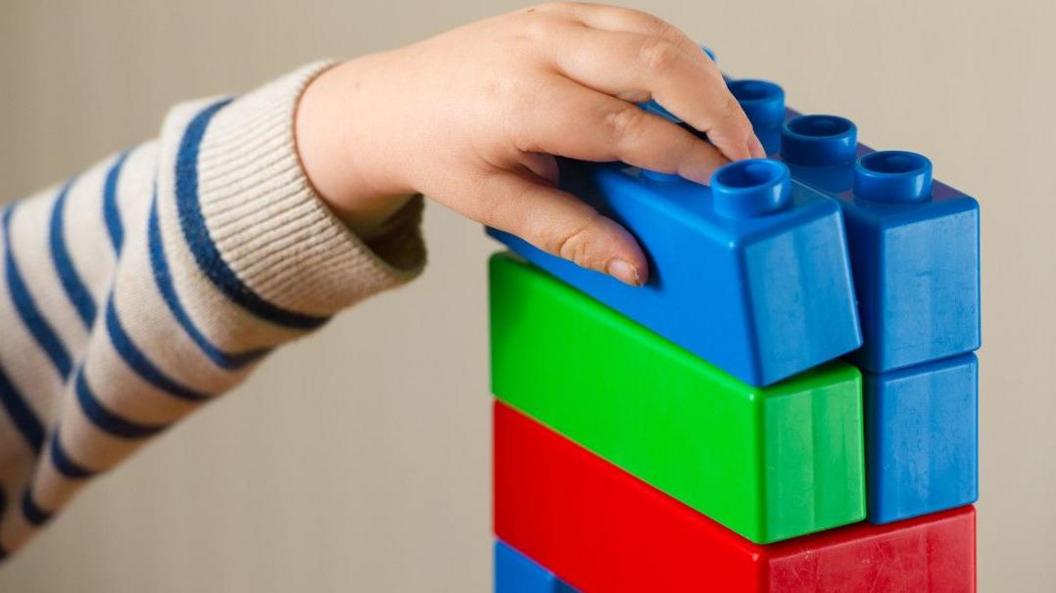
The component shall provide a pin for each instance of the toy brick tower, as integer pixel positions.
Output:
(790, 403)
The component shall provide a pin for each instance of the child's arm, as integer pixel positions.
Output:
(155, 281)
(467, 118)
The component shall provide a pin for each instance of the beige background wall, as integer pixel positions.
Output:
(300, 482)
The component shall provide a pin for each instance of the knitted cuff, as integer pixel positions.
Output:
(270, 226)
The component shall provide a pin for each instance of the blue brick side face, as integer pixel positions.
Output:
(917, 281)
(921, 429)
(793, 296)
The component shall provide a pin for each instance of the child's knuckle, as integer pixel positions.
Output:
(574, 245)
(625, 123)
(659, 56)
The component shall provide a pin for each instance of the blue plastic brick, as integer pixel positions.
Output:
(914, 242)
(752, 274)
(764, 104)
(921, 431)
(517, 573)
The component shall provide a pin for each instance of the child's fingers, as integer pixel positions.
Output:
(637, 67)
(541, 164)
(580, 123)
(755, 146)
(561, 224)
(618, 18)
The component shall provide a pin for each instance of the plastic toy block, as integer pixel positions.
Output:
(517, 573)
(914, 242)
(769, 463)
(602, 530)
(752, 274)
(921, 428)
(764, 104)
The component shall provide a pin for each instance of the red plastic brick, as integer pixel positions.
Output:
(603, 531)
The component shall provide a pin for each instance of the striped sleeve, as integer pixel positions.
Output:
(154, 282)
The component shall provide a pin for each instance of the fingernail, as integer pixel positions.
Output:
(624, 272)
(755, 147)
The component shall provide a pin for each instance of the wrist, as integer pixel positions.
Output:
(340, 142)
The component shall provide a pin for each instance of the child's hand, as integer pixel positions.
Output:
(470, 118)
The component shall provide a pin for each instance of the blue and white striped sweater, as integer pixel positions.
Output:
(154, 282)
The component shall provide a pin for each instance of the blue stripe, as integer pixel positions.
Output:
(76, 291)
(196, 233)
(163, 278)
(106, 420)
(21, 414)
(111, 213)
(27, 308)
(140, 363)
(64, 464)
(32, 512)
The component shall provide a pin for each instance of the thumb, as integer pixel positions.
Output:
(563, 225)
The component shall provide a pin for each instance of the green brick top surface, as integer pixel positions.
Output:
(769, 463)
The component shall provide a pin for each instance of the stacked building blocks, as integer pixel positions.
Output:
(914, 245)
(768, 463)
(697, 434)
(767, 292)
(600, 529)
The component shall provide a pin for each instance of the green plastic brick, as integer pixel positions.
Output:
(769, 463)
